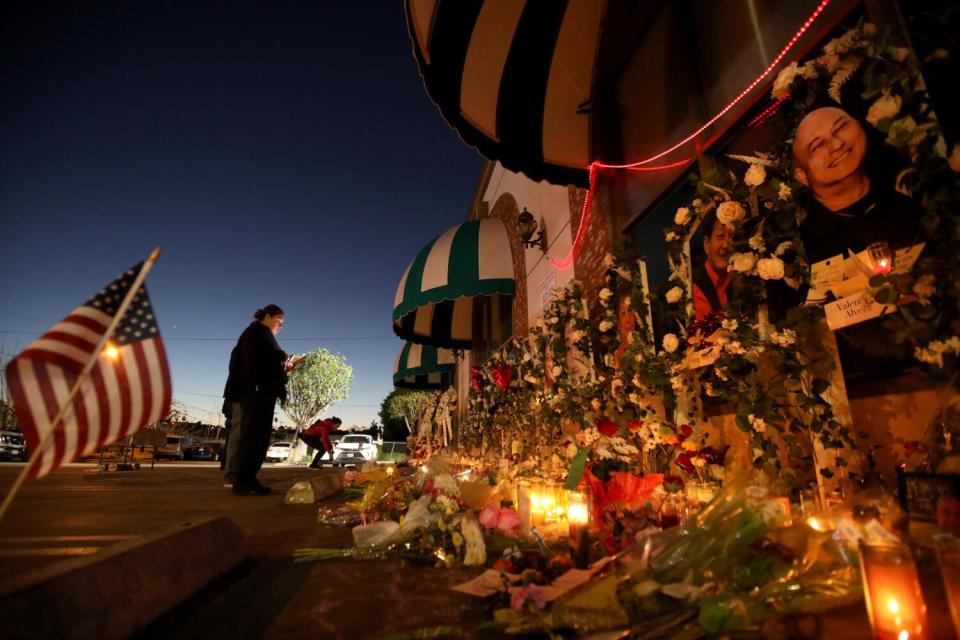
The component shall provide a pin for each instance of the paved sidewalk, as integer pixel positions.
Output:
(267, 596)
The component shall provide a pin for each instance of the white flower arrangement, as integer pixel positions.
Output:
(770, 268)
(758, 424)
(785, 338)
(781, 86)
(755, 176)
(935, 350)
(670, 343)
(476, 551)
(742, 262)
(886, 106)
(730, 212)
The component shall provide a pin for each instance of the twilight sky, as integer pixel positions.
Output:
(281, 152)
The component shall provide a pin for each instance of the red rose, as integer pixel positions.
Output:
(685, 431)
(607, 427)
(504, 564)
(635, 425)
(683, 461)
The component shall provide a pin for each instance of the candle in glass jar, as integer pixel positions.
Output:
(578, 517)
(881, 256)
(537, 504)
(523, 506)
(892, 593)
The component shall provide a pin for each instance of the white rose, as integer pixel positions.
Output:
(742, 262)
(785, 193)
(781, 86)
(770, 268)
(755, 176)
(729, 212)
(782, 248)
(756, 243)
(674, 295)
(670, 343)
(954, 159)
(605, 326)
(682, 216)
(886, 106)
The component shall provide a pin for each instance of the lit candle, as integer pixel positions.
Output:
(537, 504)
(892, 592)
(881, 256)
(578, 517)
(524, 501)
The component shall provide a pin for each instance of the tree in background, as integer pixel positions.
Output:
(319, 380)
(398, 412)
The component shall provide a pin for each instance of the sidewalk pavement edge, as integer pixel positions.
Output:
(112, 593)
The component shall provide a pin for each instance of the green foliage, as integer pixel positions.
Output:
(398, 412)
(319, 380)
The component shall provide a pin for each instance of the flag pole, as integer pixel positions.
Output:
(58, 420)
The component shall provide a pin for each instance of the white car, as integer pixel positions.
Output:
(354, 448)
(279, 451)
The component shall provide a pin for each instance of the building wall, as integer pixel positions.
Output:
(507, 194)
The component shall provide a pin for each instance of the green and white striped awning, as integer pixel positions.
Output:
(435, 300)
(422, 367)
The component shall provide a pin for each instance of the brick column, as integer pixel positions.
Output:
(507, 210)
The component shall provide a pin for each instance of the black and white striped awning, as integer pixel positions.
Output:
(514, 78)
(422, 367)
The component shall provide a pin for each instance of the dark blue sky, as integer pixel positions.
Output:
(281, 152)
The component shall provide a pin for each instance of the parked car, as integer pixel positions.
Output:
(279, 451)
(176, 448)
(354, 448)
(12, 445)
(209, 450)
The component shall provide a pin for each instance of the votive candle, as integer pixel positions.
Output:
(578, 519)
(892, 592)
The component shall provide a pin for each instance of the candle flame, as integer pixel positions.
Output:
(893, 605)
(577, 513)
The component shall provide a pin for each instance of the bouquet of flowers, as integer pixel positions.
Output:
(433, 527)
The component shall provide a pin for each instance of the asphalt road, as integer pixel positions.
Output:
(78, 511)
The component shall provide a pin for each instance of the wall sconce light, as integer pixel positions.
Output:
(527, 225)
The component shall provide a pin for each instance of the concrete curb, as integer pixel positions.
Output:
(114, 592)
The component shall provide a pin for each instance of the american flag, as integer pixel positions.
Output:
(128, 387)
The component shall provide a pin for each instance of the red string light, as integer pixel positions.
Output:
(638, 166)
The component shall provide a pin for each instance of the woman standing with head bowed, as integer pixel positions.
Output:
(259, 380)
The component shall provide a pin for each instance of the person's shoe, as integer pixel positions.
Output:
(257, 490)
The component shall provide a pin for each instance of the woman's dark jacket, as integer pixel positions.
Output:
(257, 364)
